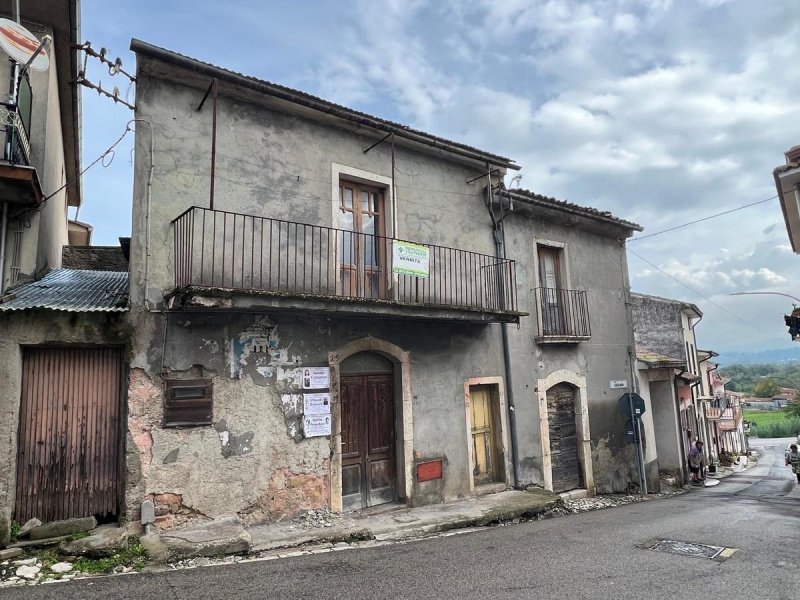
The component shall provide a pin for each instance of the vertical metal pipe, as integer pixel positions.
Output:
(3, 231)
(512, 413)
(213, 142)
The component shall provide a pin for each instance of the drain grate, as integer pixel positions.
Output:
(687, 549)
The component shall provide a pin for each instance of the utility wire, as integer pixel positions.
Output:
(109, 150)
(706, 298)
(726, 212)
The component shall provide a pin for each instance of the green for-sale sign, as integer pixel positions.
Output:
(410, 259)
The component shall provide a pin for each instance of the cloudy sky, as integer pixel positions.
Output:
(662, 111)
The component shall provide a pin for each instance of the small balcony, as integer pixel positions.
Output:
(713, 413)
(245, 261)
(19, 182)
(562, 316)
(730, 420)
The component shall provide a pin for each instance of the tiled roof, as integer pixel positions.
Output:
(563, 205)
(304, 99)
(655, 360)
(71, 290)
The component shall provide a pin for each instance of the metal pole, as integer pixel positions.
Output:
(512, 414)
(213, 142)
(3, 229)
(636, 423)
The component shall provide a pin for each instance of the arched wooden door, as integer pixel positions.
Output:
(564, 458)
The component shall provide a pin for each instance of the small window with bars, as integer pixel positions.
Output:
(188, 402)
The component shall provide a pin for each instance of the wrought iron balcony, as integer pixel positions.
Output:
(562, 315)
(16, 146)
(224, 252)
(713, 413)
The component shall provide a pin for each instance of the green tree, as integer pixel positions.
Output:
(793, 409)
(765, 388)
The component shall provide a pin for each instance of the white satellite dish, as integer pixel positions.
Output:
(21, 45)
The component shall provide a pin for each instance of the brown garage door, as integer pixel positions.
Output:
(563, 438)
(69, 434)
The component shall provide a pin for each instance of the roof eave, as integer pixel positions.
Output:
(149, 50)
(556, 205)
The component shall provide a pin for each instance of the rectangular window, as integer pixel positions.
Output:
(188, 402)
(550, 282)
(363, 247)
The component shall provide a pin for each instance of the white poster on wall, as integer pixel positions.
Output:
(316, 425)
(316, 378)
(317, 404)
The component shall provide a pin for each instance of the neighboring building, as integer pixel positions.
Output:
(291, 284)
(41, 152)
(723, 414)
(62, 337)
(787, 184)
(572, 279)
(669, 376)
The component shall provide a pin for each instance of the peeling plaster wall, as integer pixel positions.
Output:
(596, 263)
(44, 327)
(253, 460)
(277, 164)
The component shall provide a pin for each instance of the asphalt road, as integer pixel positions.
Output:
(591, 555)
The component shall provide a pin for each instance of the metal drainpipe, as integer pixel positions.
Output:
(3, 230)
(499, 241)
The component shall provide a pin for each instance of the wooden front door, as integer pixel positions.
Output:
(484, 447)
(68, 460)
(362, 243)
(565, 463)
(368, 445)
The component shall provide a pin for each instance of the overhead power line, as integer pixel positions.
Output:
(726, 212)
(694, 291)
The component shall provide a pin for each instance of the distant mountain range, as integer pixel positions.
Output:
(782, 355)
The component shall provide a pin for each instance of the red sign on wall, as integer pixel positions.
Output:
(428, 471)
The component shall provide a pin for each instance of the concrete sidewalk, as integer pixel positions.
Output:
(230, 536)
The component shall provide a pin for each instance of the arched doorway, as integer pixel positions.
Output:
(567, 471)
(369, 473)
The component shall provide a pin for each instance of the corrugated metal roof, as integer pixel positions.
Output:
(71, 290)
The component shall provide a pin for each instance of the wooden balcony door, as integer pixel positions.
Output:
(368, 442)
(552, 311)
(363, 247)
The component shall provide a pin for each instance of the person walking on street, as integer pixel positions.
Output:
(697, 463)
(793, 460)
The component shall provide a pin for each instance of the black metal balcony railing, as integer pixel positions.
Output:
(221, 249)
(16, 147)
(562, 313)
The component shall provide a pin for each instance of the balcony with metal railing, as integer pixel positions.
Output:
(16, 146)
(261, 262)
(19, 182)
(730, 419)
(562, 316)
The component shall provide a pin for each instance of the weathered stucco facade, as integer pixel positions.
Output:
(277, 158)
(276, 161)
(593, 259)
